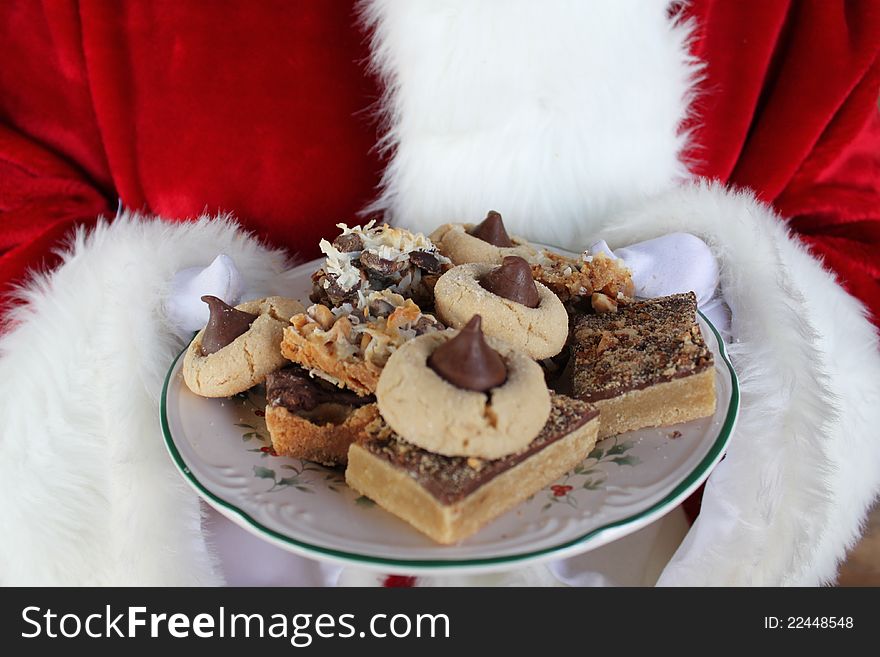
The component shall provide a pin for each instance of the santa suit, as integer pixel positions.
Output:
(578, 120)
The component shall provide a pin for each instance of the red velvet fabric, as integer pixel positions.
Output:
(262, 109)
(789, 108)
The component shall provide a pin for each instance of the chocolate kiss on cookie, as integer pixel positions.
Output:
(492, 230)
(513, 280)
(225, 324)
(466, 361)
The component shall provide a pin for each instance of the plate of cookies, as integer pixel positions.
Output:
(464, 401)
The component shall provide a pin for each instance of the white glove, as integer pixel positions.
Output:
(674, 263)
(184, 307)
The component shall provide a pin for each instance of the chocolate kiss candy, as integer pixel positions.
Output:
(466, 361)
(513, 280)
(225, 324)
(491, 230)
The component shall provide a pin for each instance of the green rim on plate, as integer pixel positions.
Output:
(688, 484)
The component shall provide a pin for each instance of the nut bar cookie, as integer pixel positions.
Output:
(311, 419)
(602, 281)
(350, 344)
(646, 365)
(370, 258)
(450, 498)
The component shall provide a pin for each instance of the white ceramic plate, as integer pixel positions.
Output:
(223, 450)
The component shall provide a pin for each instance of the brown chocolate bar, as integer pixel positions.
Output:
(311, 419)
(450, 498)
(645, 365)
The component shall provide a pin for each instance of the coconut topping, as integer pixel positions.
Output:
(370, 257)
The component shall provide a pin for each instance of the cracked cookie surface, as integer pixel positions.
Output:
(437, 416)
(541, 332)
(245, 361)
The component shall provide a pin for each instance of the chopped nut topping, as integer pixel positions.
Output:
(322, 315)
(605, 342)
(351, 332)
(605, 280)
(602, 303)
(450, 478)
(643, 343)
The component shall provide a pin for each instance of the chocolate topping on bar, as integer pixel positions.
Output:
(295, 390)
(468, 362)
(224, 325)
(513, 280)
(640, 345)
(451, 478)
(492, 230)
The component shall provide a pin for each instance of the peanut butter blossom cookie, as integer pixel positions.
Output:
(460, 394)
(513, 307)
(488, 241)
(238, 347)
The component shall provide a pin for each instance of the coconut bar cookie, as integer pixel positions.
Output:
(450, 498)
(349, 345)
(370, 258)
(646, 365)
(311, 419)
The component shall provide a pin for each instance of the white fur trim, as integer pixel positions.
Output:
(88, 495)
(557, 114)
(801, 471)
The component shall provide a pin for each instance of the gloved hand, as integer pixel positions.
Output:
(184, 307)
(674, 263)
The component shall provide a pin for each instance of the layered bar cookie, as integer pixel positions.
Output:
(370, 258)
(311, 419)
(645, 365)
(450, 498)
(349, 345)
